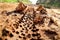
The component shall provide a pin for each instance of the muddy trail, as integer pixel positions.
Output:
(28, 22)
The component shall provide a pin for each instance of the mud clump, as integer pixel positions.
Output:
(28, 22)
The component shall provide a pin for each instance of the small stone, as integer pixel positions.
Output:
(20, 25)
(24, 38)
(0, 38)
(5, 39)
(20, 37)
(5, 32)
(23, 34)
(29, 35)
(17, 32)
(11, 35)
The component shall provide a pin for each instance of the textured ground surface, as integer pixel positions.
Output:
(20, 26)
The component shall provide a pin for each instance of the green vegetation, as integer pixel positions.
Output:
(8, 0)
(49, 3)
(15, 1)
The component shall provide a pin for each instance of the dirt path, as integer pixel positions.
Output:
(8, 6)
